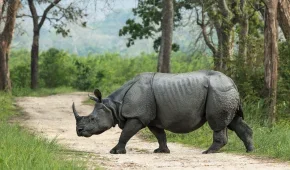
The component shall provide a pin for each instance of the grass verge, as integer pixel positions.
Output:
(19, 149)
(271, 142)
(41, 91)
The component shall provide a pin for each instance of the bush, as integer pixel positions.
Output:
(56, 68)
(20, 69)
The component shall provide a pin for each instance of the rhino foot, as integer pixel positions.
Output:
(162, 150)
(118, 151)
(250, 149)
(209, 151)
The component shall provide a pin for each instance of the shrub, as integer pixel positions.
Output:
(56, 68)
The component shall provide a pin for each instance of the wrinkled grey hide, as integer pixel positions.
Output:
(180, 103)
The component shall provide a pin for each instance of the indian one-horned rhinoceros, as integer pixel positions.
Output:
(179, 103)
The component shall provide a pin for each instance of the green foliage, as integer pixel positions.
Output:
(57, 68)
(284, 69)
(20, 68)
(150, 13)
(107, 71)
(21, 150)
(6, 108)
(284, 79)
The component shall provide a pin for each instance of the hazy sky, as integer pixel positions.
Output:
(104, 7)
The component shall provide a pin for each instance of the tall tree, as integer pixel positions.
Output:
(7, 17)
(271, 57)
(284, 17)
(166, 38)
(243, 33)
(58, 15)
(221, 17)
(150, 13)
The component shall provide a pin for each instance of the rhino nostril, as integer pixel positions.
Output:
(80, 129)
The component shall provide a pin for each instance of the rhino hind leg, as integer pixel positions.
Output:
(220, 139)
(131, 127)
(161, 137)
(243, 131)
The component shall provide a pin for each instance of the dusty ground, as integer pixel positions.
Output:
(52, 117)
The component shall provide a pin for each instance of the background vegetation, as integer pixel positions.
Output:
(109, 71)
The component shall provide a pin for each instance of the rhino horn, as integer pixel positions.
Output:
(75, 112)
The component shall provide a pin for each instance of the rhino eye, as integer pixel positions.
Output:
(92, 119)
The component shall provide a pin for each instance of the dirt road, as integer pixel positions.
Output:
(52, 117)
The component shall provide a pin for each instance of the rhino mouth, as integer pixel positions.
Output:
(84, 134)
(97, 133)
(87, 134)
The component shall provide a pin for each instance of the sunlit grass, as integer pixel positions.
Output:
(19, 149)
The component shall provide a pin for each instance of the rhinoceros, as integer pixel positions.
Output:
(179, 103)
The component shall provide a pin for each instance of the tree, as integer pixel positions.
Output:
(58, 16)
(150, 13)
(220, 16)
(166, 38)
(7, 16)
(271, 57)
(284, 17)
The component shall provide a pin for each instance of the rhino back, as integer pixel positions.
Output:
(180, 100)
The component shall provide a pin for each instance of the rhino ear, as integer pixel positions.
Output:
(98, 94)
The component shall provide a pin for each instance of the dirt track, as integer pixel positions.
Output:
(52, 117)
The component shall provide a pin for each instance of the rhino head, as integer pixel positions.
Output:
(100, 120)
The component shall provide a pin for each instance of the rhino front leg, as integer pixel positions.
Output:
(132, 126)
(161, 137)
(220, 139)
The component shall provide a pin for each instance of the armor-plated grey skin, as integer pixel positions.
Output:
(180, 103)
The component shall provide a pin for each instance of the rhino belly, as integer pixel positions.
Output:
(181, 122)
(180, 101)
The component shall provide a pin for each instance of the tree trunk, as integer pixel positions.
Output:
(271, 57)
(284, 17)
(224, 27)
(243, 34)
(166, 38)
(5, 84)
(34, 60)
(224, 48)
(5, 41)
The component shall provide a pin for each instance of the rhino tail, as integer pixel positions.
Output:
(240, 111)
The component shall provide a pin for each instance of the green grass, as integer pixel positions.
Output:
(19, 149)
(272, 142)
(41, 91)
(6, 107)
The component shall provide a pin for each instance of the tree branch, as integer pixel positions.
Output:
(10, 22)
(46, 12)
(2, 11)
(34, 14)
(224, 8)
(3, 7)
(24, 15)
(204, 32)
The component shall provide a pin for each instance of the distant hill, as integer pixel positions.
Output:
(100, 36)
